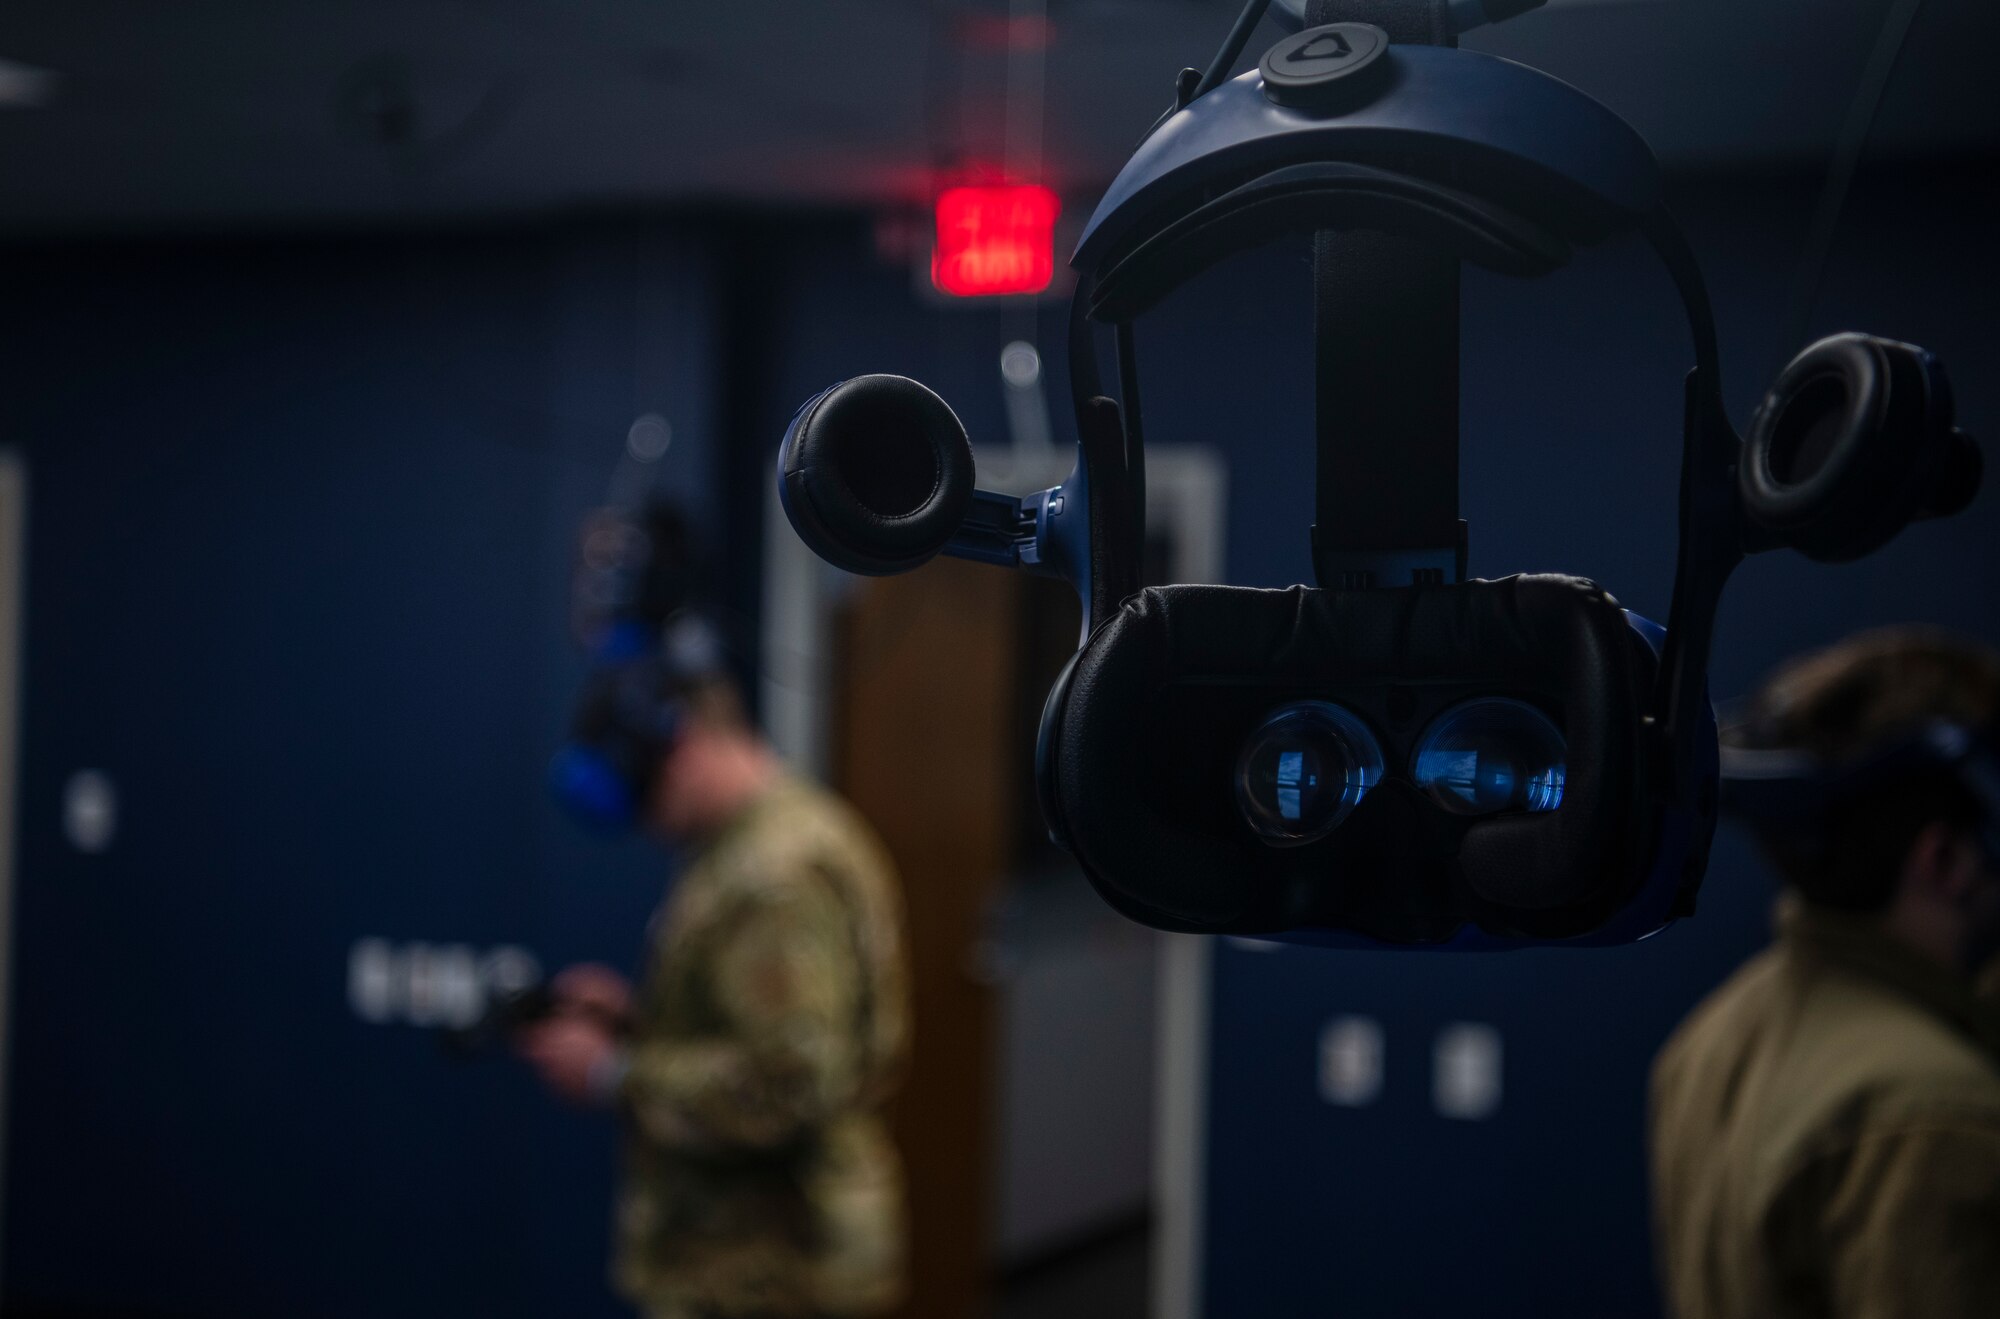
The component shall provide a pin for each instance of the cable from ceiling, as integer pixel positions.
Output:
(1027, 89)
(1848, 149)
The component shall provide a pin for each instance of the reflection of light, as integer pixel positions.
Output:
(1020, 364)
(371, 980)
(509, 970)
(1459, 769)
(1466, 1078)
(1350, 1061)
(90, 810)
(649, 437)
(24, 86)
(1291, 769)
(1492, 754)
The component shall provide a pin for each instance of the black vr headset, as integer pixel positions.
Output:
(1793, 792)
(1398, 756)
(631, 609)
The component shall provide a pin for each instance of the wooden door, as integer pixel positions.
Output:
(926, 676)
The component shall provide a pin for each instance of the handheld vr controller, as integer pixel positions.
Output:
(505, 1014)
(511, 1012)
(1400, 755)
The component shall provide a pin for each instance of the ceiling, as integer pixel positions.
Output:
(280, 113)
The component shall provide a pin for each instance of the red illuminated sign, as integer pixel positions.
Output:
(995, 240)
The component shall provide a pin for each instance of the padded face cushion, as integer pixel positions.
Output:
(876, 474)
(1160, 700)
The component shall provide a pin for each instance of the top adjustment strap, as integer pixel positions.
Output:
(1386, 381)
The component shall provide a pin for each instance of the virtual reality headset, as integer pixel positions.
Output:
(1397, 756)
(632, 608)
(1791, 791)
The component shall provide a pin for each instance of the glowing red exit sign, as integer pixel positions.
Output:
(995, 240)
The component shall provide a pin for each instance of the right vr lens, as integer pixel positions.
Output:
(1489, 755)
(1303, 770)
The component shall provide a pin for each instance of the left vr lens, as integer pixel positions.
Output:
(1489, 755)
(1303, 770)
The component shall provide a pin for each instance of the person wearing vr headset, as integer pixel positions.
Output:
(1826, 1125)
(749, 1064)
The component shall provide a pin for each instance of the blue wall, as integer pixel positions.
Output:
(301, 524)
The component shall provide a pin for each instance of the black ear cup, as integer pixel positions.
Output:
(1852, 443)
(1048, 740)
(876, 474)
(1958, 480)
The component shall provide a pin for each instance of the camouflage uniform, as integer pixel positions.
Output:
(772, 1022)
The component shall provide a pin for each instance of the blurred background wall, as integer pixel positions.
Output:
(305, 462)
(302, 521)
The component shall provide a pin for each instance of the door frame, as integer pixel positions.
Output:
(13, 623)
(1186, 496)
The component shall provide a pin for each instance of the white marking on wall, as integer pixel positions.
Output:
(1351, 1054)
(13, 617)
(1466, 1071)
(432, 985)
(372, 972)
(90, 810)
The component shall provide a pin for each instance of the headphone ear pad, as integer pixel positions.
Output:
(1048, 737)
(1851, 444)
(1959, 480)
(876, 474)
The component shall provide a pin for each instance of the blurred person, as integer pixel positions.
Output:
(1826, 1125)
(749, 1065)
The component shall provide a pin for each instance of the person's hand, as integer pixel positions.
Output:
(570, 1052)
(591, 987)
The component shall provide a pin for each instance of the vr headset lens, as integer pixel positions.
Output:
(1308, 765)
(1304, 770)
(1491, 755)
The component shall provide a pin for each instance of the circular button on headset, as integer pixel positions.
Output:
(1323, 66)
(1492, 754)
(1304, 770)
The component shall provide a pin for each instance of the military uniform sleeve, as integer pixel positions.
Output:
(786, 1054)
(1912, 1226)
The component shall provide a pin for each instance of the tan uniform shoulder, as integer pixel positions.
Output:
(1884, 1061)
(1813, 1057)
(1720, 1024)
